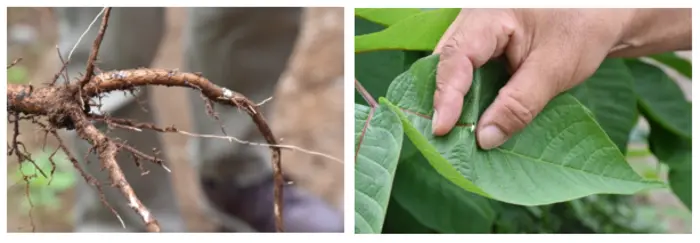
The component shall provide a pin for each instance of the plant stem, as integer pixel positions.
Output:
(365, 94)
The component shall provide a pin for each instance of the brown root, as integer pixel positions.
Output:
(66, 108)
(64, 111)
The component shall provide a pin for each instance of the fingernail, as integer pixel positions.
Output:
(435, 118)
(490, 137)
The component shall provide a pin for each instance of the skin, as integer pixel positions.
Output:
(548, 50)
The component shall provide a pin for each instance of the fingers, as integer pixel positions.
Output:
(463, 48)
(518, 102)
(454, 77)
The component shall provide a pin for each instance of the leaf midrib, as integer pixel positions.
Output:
(406, 110)
(364, 130)
(524, 156)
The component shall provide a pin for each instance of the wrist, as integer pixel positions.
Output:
(625, 39)
(652, 31)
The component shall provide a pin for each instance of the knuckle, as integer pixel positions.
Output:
(461, 44)
(451, 47)
(516, 109)
(476, 45)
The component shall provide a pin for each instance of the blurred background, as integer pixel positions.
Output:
(318, 55)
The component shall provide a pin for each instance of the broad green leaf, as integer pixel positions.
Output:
(420, 32)
(375, 70)
(672, 60)
(409, 57)
(386, 16)
(363, 26)
(378, 139)
(661, 97)
(676, 152)
(442, 205)
(433, 155)
(400, 221)
(670, 118)
(668, 146)
(609, 94)
(562, 155)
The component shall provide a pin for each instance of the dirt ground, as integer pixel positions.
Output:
(42, 62)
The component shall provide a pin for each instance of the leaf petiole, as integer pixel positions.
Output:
(368, 97)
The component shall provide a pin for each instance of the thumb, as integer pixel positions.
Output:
(528, 91)
(462, 49)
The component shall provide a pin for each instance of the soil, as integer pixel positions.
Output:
(42, 66)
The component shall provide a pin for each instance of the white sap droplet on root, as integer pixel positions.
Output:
(227, 93)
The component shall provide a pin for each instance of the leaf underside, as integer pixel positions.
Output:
(378, 144)
(562, 155)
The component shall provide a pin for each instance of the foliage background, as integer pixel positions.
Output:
(375, 69)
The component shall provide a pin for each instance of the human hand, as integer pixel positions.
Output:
(549, 51)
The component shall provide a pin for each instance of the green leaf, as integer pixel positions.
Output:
(672, 60)
(375, 70)
(433, 155)
(562, 155)
(609, 94)
(400, 221)
(386, 16)
(676, 152)
(437, 203)
(378, 139)
(420, 32)
(661, 98)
